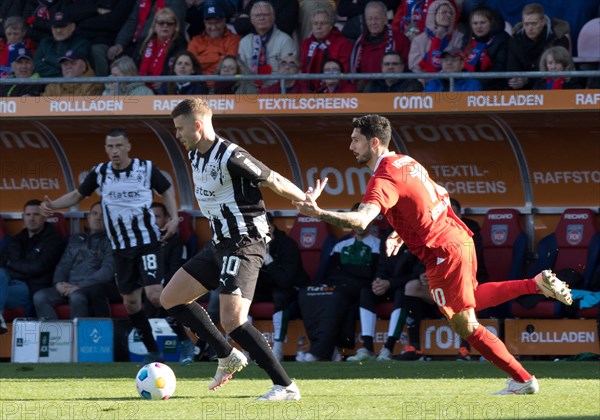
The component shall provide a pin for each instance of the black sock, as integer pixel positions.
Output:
(368, 343)
(142, 326)
(254, 342)
(178, 329)
(194, 317)
(390, 343)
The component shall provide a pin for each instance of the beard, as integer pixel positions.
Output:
(364, 158)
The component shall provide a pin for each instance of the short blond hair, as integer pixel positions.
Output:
(192, 106)
(533, 9)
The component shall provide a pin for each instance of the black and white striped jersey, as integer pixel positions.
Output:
(226, 180)
(126, 199)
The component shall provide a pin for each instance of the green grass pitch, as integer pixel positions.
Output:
(391, 390)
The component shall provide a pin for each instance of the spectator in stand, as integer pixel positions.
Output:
(125, 66)
(74, 64)
(155, 57)
(22, 68)
(334, 67)
(140, 24)
(487, 48)
(352, 266)
(185, 64)
(216, 41)
(174, 254)
(452, 62)
(285, 12)
(287, 65)
(262, 51)
(558, 59)
(38, 14)
(378, 39)
(8, 9)
(195, 14)
(27, 263)
(440, 35)
(278, 281)
(307, 11)
(393, 273)
(530, 38)
(231, 65)
(392, 63)
(15, 31)
(84, 278)
(63, 39)
(99, 21)
(411, 15)
(326, 41)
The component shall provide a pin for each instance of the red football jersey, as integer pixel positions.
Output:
(416, 207)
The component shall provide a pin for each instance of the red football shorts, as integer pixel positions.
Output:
(452, 276)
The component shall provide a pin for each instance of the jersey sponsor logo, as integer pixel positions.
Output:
(117, 195)
(308, 237)
(440, 260)
(204, 193)
(574, 234)
(499, 234)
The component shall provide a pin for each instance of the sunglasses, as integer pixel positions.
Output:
(165, 23)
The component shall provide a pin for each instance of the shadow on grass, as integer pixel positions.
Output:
(319, 370)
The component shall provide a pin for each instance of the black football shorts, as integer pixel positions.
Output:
(138, 267)
(230, 267)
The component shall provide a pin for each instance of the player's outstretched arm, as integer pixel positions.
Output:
(284, 187)
(69, 199)
(359, 219)
(171, 205)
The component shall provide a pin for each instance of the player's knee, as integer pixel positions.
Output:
(412, 288)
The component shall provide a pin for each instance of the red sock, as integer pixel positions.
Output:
(495, 293)
(494, 350)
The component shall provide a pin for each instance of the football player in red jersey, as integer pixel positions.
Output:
(419, 211)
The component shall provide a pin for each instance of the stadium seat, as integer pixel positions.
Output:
(312, 237)
(504, 244)
(187, 232)
(574, 245)
(12, 313)
(588, 42)
(60, 223)
(262, 310)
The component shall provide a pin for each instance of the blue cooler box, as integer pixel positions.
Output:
(165, 337)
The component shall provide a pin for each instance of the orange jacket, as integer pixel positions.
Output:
(209, 51)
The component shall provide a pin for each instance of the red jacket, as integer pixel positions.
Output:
(368, 53)
(339, 47)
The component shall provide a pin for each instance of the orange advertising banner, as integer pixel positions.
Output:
(31, 166)
(556, 173)
(551, 337)
(438, 339)
(470, 155)
(308, 104)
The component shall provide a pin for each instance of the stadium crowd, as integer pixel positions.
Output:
(68, 38)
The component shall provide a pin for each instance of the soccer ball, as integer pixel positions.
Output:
(155, 381)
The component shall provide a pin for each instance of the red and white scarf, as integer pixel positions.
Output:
(144, 13)
(154, 57)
